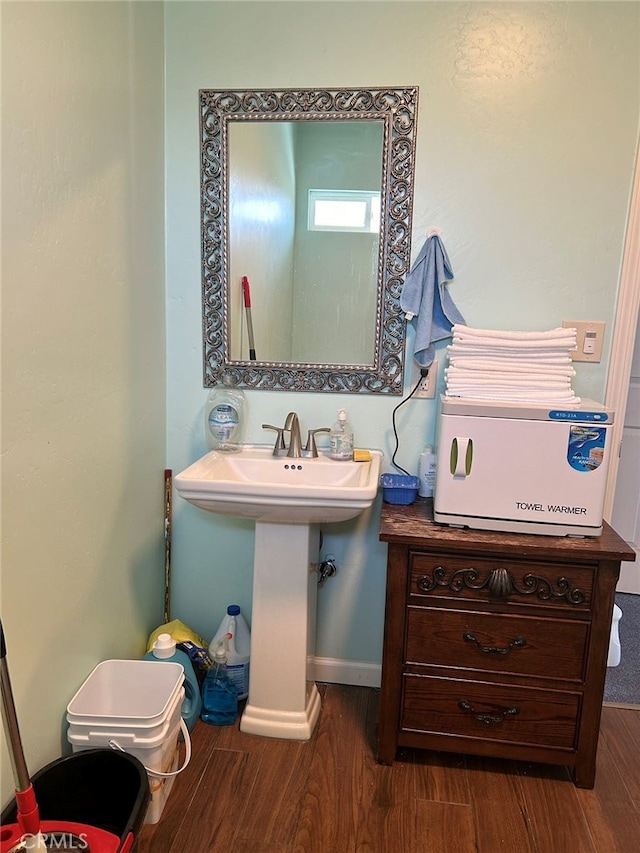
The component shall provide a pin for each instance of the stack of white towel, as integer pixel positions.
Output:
(523, 367)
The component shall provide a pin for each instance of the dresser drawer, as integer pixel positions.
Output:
(517, 582)
(522, 645)
(480, 710)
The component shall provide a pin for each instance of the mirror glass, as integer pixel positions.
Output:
(306, 222)
(303, 233)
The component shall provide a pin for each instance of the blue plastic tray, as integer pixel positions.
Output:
(399, 488)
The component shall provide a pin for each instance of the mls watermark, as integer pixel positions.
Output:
(69, 841)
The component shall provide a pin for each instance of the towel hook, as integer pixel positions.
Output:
(434, 232)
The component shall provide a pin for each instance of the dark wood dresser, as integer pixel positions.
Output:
(495, 644)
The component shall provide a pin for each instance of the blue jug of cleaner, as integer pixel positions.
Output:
(164, 649)
(238, 648)
(219, 693)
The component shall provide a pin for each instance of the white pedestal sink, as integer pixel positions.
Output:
(288, 499)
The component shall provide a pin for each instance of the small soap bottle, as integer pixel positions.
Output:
(427, 472)
(224, 417)
(341, 438)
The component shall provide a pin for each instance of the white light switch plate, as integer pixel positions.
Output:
(589, 338)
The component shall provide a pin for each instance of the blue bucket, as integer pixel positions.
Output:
(399, 488)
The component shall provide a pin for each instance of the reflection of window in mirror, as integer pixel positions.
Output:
(344, 210)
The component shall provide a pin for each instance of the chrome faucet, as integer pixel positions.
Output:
(295, 449)
(292, 426)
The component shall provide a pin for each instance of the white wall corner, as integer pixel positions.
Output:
(624, 333)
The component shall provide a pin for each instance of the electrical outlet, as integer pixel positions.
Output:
(590, 335)
(427, 387)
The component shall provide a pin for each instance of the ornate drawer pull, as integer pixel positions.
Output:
(517, 643)
(489, 719)
(500, 583)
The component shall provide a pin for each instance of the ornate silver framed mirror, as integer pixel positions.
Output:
(306, 204)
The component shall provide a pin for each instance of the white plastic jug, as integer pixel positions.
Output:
(239, 648)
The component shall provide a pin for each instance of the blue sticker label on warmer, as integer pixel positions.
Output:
(586, 447)
(585, 417)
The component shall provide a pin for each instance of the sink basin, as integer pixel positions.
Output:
(255, 484)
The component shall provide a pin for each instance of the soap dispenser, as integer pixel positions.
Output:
(427, 472)
(224, 417)
(341, 438)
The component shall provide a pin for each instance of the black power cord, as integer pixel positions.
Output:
(424, 371)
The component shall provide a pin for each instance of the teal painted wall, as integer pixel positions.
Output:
(83, 376)
(527, 132)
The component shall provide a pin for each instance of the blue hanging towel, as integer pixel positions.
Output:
(426, 301)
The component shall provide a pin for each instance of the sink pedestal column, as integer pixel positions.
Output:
(283, 699)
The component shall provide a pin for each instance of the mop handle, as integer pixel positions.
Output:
(28, 814)
(18, 763)
(10, 720)
(168, 478)
(246, 292)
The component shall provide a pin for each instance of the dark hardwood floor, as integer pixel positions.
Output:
(246, 794)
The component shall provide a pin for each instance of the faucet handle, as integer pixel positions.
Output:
(280, 448)
(310, 448)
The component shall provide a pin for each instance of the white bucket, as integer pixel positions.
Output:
(135, 692)
(136, 709)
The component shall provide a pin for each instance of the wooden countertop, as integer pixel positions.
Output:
(414, 525)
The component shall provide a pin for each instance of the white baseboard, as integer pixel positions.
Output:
(359, 673)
